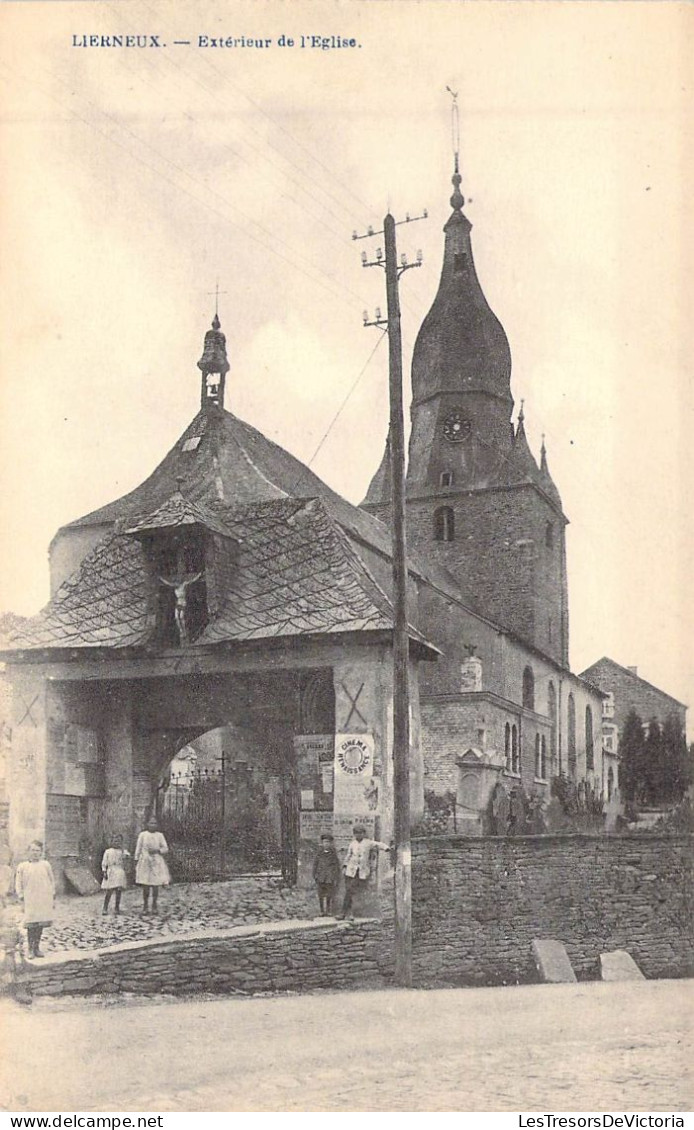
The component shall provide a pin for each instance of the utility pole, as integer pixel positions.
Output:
(401, 697)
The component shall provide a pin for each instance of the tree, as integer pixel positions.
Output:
(631, 749)
(653, 772)
(677, 761)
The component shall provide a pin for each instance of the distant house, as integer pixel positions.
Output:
(625, 690)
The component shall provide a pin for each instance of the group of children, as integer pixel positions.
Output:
(356, 868)
(151, 870)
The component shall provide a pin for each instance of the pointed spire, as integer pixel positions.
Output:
(520, 430)
(543, 456)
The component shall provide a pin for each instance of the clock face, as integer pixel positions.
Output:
(456, 427)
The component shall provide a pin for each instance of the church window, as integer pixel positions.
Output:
(552, 712)
(590, 744)
(571, 735)
(459, 261)
(538, 766)
(549, 535)
(543, 757)
(446, 479)
(515, 757)
(444, 527)
(529, 688)
(608, 705)
(507, 746)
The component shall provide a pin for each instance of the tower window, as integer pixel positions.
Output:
(459, 261)
(549, 535)
(446, 479)
(444, 524)
(529, 688)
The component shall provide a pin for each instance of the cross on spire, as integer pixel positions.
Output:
(216, 293)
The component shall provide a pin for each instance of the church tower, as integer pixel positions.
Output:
(477, 501)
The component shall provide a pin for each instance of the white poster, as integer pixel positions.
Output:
(354, 785)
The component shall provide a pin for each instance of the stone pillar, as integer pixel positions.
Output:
(26, 775)
(118, 815)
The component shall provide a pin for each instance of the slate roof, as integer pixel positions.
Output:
(232, 463)
(295, 572)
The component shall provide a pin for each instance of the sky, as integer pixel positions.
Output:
(135, 179)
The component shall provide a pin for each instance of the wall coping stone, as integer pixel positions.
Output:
(297, 925)
(558, 837)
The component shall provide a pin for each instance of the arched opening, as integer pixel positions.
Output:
(515, 758)
(552, 712)
(230, 796)
(538, 772)
(543, 758)
(610, 783)
(529, 688)
(571, 735)
(590, 742)
(444, 524)
(507, 747)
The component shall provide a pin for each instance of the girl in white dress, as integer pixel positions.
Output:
(151, 871)
(113, 868)
(35, 886)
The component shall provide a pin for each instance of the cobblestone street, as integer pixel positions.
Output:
(587, 1047)
(183, 908)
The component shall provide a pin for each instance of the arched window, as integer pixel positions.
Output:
(529, 688)
(590, 745)
(543, 757)
(444, 525)
(571, 735)
(537, 756)
(507, 746)
(610, 783)
(552, 711)
(515, 760)
(549, 535)
(446, 478)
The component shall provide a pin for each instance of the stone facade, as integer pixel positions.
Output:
(478, 904)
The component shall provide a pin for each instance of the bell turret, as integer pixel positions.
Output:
(214, 366)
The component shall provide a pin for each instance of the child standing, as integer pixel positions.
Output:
(326, 873)
(151, 872)
(35, 885)
(114, 878)
(357, 866)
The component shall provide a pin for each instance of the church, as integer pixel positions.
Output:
(233, 591)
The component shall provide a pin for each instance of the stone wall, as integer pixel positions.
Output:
(478, 903)
(292, 957)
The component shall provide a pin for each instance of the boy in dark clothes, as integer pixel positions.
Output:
(326, 873)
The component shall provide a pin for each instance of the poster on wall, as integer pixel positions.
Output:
(355, 789)
(313, 753)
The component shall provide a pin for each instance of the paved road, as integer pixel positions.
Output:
(591, 1047)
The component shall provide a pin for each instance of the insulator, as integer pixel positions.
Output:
(369, 230)
(425, 215)
(378, 313)
(363, 258)
(403, 260)
(419, 255)
(366, 316)
(355, 235)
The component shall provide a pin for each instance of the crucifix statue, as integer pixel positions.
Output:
(179, 586)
